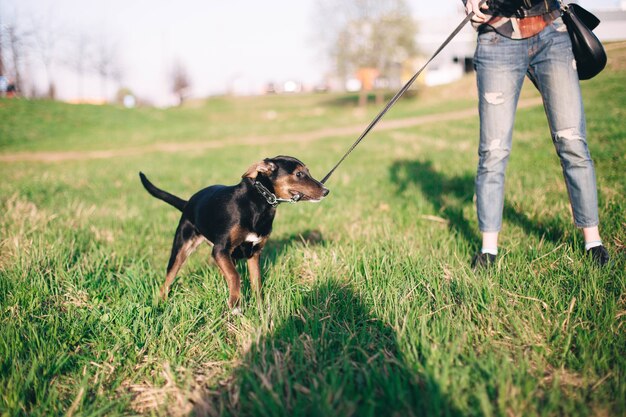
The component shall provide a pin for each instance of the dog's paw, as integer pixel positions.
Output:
(236, 311)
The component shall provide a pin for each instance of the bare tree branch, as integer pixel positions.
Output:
(17, 40)
(78, 59)
(105, 63)
(180, 82)
(47, 37)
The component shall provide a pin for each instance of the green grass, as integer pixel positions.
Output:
(369, 308)
(48, 126)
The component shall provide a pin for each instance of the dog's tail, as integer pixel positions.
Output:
(171, 199)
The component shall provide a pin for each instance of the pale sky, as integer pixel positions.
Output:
(225, 43)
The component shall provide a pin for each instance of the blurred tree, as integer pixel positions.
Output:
(180, 82)
(78, 59)
(122, 96)
(17, 41)
(47, 33)
(105, 63)
(2, 71)
(378, 35)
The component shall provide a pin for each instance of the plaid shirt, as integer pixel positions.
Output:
(516, 27)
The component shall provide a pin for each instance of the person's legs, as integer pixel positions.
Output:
(490, 242)
(553, 70)
(501, 65)
(591, 234)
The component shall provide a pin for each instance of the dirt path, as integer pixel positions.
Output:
(252, 140)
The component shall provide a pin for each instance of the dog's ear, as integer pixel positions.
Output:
(265, 167)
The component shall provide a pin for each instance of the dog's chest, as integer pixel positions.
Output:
(253, 238)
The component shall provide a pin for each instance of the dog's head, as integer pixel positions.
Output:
(289, 177)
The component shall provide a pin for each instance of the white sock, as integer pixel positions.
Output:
(491, 251)
(592, 244)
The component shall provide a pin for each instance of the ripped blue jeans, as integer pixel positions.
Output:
(501, 65)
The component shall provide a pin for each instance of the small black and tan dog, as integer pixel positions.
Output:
(236, 219)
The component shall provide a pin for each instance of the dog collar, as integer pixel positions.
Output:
(271, 198)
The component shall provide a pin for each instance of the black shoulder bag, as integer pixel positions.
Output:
(588, 50)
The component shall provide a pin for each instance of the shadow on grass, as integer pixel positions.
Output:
(273, 251)
(330, 357)
(450, 195)
(274, 248)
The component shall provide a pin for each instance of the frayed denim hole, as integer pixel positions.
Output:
(495, 98)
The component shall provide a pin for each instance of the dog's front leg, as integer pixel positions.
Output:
(224, 261)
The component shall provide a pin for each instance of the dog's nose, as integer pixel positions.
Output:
(325, 192)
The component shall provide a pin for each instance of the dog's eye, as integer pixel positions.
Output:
(299, 174)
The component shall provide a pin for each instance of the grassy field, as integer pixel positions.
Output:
(369, 308)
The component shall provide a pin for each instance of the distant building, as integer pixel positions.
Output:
(456, 59)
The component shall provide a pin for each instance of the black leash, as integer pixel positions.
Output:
(401, 92)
